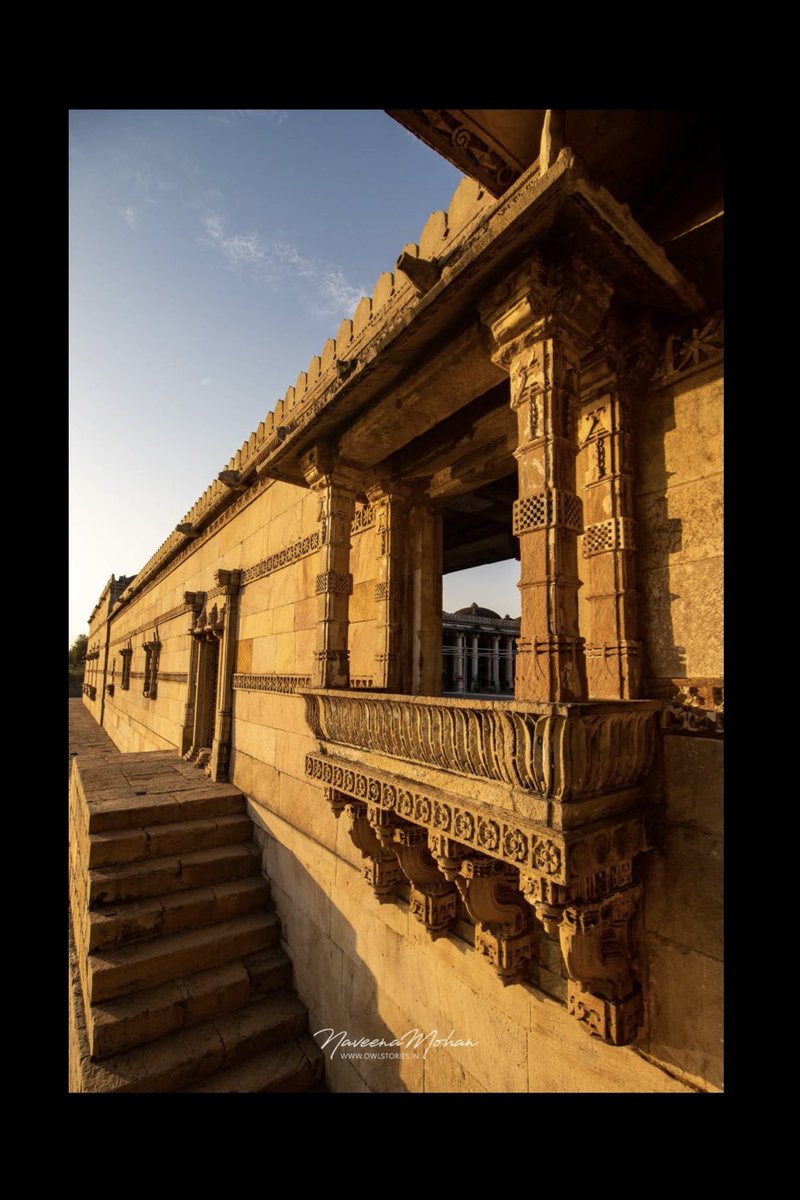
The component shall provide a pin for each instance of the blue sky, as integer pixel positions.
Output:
(212, 253)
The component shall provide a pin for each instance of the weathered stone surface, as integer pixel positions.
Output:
(683, 891)
(685, 1013)
(693, 782)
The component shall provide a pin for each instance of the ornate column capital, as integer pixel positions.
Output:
(322, 468)
(628, 348)
(382, 488)
(228, 582)
(569, 295)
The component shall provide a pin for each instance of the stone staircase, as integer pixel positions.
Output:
(179, 982)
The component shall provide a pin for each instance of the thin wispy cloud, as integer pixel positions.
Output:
(329, 292)
(230, 116)
(148, 182)
(337, 294)
(130, 216)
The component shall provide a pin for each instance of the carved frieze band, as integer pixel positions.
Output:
(445, 130)
(274, 562)
(617, 533)
(693, 350)
(561, 857)
(179, 610)
(623, 648)
(694, 706)
(340, 582)
(547, 508)
(282, 558)
(172, 676)
(549, 752)
(269, 683)
(364, 519)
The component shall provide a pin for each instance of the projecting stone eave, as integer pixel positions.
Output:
(525, 215)
(411, 324)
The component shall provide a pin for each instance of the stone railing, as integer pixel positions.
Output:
(559, 751)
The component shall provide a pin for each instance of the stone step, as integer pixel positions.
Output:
(131, 811)
(120, 970)
(294, 1066)
(188, 1056)
(114, 1026)
(137, 920)
(176, 837)
(268, 969)
(159, 876)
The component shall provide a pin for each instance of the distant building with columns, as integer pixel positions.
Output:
(478, 650)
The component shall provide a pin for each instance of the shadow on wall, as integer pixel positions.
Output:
(346, 994)
(367, 970)
(659, 537)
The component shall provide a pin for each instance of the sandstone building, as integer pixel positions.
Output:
(538, 870)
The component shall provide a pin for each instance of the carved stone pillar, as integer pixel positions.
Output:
(508, 677)
(474, 663)
(195, 600)
(447, 663)
(425, 599)
(206, 630)
(540, 320)
(228, 582)
(452, 662)
(496, 663)
(205, 699)
(609, 384)
(336, 488)
(461, 663)
(390, 503)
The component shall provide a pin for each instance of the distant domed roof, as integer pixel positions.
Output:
(475, 611)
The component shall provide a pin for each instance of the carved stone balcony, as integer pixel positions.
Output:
(561, 752)
(519, 802)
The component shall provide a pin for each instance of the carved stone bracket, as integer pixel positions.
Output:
(694, 349)
(433, 899)
(578, 881)
(595, 944)
(381, 868)
(502, 927)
